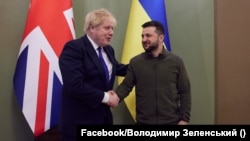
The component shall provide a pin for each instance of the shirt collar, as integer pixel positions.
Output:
(92, 42)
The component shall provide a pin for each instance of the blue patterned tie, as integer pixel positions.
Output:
(103, 64)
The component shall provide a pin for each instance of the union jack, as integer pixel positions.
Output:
(37, 79)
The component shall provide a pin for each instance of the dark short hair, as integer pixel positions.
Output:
(159, 27)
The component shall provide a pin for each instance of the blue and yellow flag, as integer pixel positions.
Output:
(141, 11)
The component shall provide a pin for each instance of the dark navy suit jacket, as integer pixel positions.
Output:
(84, 85)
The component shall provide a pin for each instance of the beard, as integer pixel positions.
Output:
(152, 47)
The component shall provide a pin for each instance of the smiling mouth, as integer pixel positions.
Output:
(146, 44)
(108, 38)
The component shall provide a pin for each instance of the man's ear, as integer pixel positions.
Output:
(161, 37)
(91, 28)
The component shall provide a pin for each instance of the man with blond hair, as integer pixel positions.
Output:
(89, 67)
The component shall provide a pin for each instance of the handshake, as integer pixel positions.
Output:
(113, 99)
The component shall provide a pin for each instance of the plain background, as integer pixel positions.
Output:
(211, 36)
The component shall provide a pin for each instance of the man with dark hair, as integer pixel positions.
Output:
(162, 86)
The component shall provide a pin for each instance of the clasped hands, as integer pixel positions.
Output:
(113, 99)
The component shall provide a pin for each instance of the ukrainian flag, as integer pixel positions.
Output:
(141, 11)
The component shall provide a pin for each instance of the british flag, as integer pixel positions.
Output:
(37, 79)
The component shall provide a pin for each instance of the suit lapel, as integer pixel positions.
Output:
(94, 57)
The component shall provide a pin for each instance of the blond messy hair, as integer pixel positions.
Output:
(96, 17)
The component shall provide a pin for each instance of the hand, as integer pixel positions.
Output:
(112, 92)
(113, 99)
(182, 122)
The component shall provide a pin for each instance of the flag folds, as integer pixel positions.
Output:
(141, 11)
(37, 79)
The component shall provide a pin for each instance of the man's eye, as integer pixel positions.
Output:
(108, 28)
